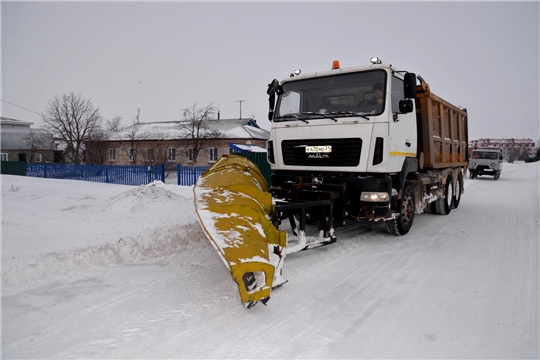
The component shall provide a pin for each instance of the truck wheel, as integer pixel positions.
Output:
(444, 206)
(406, 205)
(471, 175)
(496, 176)
(459, 186)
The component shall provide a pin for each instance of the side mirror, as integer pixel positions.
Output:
(405, 106)
(273, 88)
(409, 85)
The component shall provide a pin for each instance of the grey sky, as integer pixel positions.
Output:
(163, 57)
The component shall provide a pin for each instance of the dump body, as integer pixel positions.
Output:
(442, 131)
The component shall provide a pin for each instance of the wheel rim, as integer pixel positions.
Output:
(449, 191)
(407, 208)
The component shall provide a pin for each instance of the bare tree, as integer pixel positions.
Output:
(71, 118)
(38, 140)
(114, 125)
(135, 134)
(196, 130)
(96, 151)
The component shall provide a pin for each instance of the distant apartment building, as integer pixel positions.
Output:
(512, 149)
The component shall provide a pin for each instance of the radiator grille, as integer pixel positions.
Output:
(345, 152)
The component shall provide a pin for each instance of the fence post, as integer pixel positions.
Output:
(162, 170)
(106, 174)
(178, 169)
(45, 171)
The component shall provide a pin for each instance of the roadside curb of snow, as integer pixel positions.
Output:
(157, 243)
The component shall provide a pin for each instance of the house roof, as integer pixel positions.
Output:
(17, 138)
(11, 123)
(246, 148)
(168, 130)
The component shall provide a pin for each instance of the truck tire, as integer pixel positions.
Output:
(443, 206)
(459, 186)
(407, 208)
(496, 176)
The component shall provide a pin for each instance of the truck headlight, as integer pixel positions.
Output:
(374, 196)
(492, 165)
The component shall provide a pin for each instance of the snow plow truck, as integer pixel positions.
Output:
(367, 144)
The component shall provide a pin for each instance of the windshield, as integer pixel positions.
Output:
(490, 155)
(351, 94)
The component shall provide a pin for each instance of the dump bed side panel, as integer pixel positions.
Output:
(442, 131)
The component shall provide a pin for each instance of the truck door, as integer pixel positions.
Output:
(402, 126)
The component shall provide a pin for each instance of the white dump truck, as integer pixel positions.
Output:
(366, 143)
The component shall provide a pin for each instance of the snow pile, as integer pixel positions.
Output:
(128, 225)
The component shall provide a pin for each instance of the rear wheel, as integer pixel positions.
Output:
(406, 205)
(459, 186)
(443, 206)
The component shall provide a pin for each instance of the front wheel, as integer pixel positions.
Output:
(407, 208)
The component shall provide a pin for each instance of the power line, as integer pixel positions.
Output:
(19, 106)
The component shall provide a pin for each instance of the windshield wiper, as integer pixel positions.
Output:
(349, 113)
(319, 114)
(290, 116)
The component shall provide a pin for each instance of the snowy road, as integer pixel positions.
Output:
(465, 285)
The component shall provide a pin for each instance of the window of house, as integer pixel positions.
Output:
(112, 154)
(131, 154)
(4, 157)
(171, 154)
(150, 154)
(37, 157)
(190, 154)
(213, 154)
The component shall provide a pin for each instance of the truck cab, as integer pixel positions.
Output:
(358, 120)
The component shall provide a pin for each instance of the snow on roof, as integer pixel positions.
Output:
(23, 138)
(246, 148)
(10, 123)
(168, 130)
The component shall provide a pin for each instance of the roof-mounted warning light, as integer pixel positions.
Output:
(335, 65)
(375, 60)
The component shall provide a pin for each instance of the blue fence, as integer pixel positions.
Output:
(125, 175)
(188, 175)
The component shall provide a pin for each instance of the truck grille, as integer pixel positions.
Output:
(345, 152)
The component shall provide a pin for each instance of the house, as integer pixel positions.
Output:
(176, 142)
(22, 143)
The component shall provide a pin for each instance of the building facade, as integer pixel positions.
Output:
(513, 149)
(168, 143)
(22, 143)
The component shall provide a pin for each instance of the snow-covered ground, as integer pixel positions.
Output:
(94, 270)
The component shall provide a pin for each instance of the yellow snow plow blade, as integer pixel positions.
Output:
(234, 206)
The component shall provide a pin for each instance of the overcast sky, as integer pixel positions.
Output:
(164, 57)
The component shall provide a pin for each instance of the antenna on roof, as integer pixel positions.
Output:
(241, 101)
